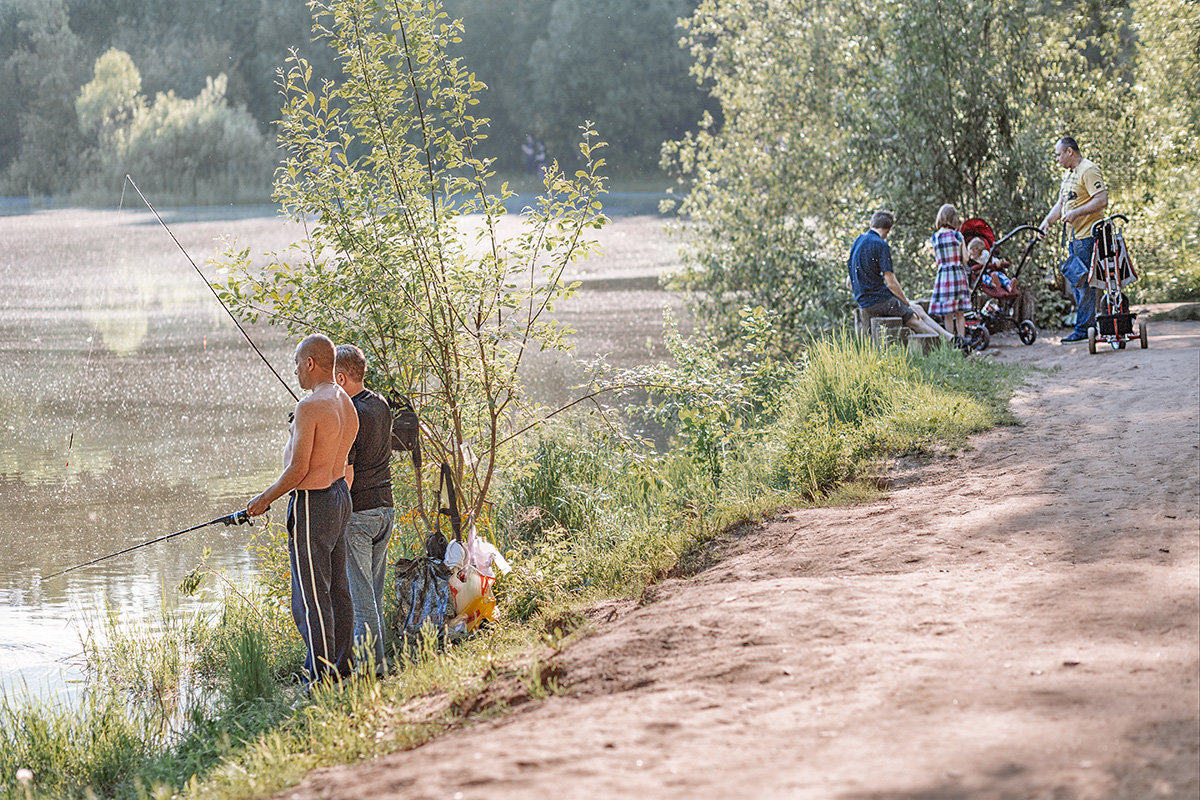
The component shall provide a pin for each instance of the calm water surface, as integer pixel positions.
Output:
(132, 407)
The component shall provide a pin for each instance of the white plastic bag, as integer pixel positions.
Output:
(471, 573)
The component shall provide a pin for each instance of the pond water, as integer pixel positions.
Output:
(131, 407)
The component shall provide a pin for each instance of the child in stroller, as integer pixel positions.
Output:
(998, 300)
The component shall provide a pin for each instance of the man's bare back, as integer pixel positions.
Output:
(314, 470)
(330, 413)
(322, 432)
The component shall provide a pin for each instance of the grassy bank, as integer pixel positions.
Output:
(206, 706)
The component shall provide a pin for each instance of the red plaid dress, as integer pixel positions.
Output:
(950, 290)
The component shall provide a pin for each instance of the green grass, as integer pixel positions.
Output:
(205, 706)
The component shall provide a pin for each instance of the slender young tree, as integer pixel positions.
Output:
(405, 253)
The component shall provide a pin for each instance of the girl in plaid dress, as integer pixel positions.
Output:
(951, 294)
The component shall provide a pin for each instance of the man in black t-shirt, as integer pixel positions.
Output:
(369, 474)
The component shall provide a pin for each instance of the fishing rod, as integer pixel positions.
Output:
(236, 518)
(170, 233)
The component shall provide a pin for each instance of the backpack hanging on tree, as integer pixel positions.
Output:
(423, 594)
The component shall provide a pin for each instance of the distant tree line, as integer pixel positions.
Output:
(185, 92)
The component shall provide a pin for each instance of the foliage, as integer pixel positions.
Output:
(179, 145)
(110, 100)
(382, 169)
(758, 181)
(43, 70)
(833, 109)
(1163, 233)
(853, 402)
(181, 148)
(709, 398)
(71, 750)
(614, 63)
(550, 64)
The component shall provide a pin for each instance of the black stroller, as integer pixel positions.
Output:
(998, 298)
(1111, 271)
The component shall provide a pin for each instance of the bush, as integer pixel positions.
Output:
(853, 402)
(184, 149)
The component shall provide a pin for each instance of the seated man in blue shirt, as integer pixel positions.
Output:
(875, 287)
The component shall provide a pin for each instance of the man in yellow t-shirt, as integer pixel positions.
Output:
(1081, 203)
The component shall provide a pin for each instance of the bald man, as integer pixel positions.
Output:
(314, 473)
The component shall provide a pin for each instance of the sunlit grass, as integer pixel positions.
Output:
(208, 706)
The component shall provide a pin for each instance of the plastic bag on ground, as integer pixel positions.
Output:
(423, 595)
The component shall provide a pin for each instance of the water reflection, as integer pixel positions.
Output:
(132, 407)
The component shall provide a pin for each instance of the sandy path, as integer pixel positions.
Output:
(1018, 621)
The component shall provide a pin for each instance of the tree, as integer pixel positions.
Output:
(45, 73)
(110, 100)
(1166, 197)
(404, 255)
(197, 148)
(834, 108)
(496, 42)
(617, 64)
(550, 64)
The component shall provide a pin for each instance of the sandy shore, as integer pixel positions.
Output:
(1015, 621)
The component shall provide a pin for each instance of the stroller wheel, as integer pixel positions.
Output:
(1092, 341)
(1143, 335)
(1027, 331)
(978, 338)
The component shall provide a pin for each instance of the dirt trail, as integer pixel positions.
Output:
(1017, 621)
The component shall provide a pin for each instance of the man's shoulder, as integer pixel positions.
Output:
(316, 411)
(369, 397)
(324, 402)
(371, 405)
(870, 239)
(1090, 177)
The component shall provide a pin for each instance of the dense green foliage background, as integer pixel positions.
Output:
(549, 64)
(786, 121)
(833, 108)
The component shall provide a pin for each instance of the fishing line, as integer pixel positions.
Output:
(206, 283)
(79, 398)
(86, 369)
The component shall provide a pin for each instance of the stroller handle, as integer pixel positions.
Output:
(1014, 232)
(1033, 242)
(1110, 220)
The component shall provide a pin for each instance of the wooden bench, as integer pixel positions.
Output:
(888, 330)
(920, 344)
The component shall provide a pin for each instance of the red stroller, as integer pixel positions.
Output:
(998, 299)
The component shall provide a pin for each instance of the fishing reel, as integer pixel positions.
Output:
(239, 518)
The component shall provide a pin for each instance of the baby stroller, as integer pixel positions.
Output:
(1111, 271)
(998, 299)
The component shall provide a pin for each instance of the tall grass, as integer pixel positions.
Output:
(70, 749)
(853, 403)
(208, 707)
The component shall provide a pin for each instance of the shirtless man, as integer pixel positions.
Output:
(314, 472)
